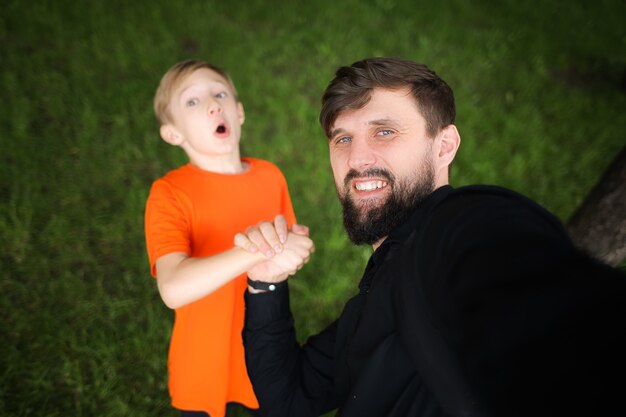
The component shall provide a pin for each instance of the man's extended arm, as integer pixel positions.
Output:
(288, 380)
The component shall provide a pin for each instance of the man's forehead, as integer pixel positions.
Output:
(382, 107)
(382, 98)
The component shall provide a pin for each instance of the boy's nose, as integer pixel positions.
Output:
(215, 108)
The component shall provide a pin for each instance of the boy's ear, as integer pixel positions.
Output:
(241, 113)
(170, 134)
(449, 142)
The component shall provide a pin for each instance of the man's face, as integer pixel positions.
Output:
(382, 159)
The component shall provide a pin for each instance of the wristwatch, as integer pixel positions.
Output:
(265, 286)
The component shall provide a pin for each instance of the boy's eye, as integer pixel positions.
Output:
(192, 102)
(221, 94)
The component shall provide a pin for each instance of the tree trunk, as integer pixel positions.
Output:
(599, 224)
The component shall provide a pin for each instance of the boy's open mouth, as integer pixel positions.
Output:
(222, 131)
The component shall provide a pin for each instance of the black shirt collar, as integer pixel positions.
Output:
(402, 232)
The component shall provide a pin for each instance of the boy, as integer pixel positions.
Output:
(192, 215)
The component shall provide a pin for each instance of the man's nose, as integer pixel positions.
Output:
(361, 155)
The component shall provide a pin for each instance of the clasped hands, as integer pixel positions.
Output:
(286, 251)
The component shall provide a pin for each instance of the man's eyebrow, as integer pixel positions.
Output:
(382, 122)
(376, 122)
(335, 132)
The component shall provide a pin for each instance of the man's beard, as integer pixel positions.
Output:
(369, 225)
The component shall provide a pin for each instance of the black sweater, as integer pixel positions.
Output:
(478, 305)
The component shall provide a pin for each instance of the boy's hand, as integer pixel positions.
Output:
(296, 252)
(289, 251)
(267, 237)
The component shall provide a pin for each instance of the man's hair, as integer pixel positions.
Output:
(352, 89)
(173, 77)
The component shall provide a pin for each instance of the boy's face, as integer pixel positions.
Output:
(206, 116)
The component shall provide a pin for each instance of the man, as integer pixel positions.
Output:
(474, 302)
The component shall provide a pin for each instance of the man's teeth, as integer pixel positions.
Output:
(370, 185)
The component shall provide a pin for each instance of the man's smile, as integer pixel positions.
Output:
(369, 185)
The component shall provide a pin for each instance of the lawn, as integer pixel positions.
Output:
(540, 89)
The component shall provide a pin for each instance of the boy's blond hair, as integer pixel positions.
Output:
(173, 77)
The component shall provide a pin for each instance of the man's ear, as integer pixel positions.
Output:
(449, 142)
(241, 113)
(170, 134)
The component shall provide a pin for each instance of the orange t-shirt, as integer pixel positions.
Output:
(199, 212)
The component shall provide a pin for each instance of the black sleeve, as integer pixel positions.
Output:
(288, 380)
(512, 319)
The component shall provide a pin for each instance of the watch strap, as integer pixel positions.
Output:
(266, 286)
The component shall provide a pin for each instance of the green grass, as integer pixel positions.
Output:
(540, 93)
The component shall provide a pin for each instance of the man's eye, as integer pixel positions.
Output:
(343, 139)
(385, 132)
(192, 102)
(221, 95)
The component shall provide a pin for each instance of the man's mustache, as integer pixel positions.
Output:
(371, 172)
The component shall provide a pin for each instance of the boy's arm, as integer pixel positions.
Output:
(183, 279)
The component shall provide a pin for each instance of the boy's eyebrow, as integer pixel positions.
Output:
(189, 87)
(219, 83)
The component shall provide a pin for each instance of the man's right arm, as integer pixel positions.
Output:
(288, 380)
